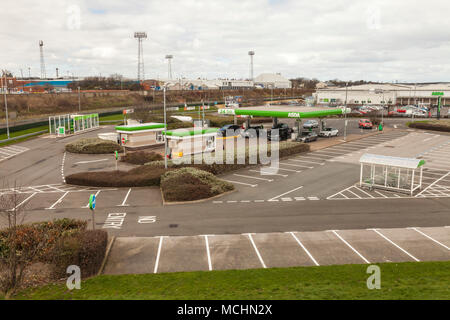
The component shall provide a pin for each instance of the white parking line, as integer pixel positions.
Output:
(425, 235)
(396, 245)
(285, 193)
(125, 200)
(315, 162)
(243, 183)
(306, 250)
(359, 189)
(16, 207)
(158, 254)
(52, 207)
(295, 165)
(354, 250)
(256, 250)
(208, 253)
(289, 170)
(445, 175)
(251, 177)
(90, 161)
(268, 173)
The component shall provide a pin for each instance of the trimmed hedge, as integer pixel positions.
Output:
(188, 184)
(137, 177)
(430, 126)
(141, 157)
(93, 146)
(84, 249)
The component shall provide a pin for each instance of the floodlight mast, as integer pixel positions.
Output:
(140, 73)
(251, 54)
(169, 58)
(41, 51)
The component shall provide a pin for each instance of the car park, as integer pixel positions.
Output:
(308, 136)
(329, 132)
(227, 129)
(365, 124)
(283, 132)
(252, 131)
(311, 124)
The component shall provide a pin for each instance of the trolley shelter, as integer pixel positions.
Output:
(391, 173)
(72, 123)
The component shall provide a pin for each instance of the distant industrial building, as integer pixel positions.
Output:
(265, 80)
(385, 94)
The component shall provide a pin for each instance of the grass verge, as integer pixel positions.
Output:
(21, 133)
(409, 280)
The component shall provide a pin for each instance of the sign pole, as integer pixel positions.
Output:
(92, 203)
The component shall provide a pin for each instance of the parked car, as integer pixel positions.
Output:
(252, 131)
(308, 136)
(365, 124)
(310, 124)
(329, 132)
(229, 128)
(283, 132)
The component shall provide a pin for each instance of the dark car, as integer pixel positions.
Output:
(308, 136)
(252, 131)
(229, 129)
(283, 132)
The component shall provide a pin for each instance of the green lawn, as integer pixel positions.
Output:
(423, 280)
(20, 133)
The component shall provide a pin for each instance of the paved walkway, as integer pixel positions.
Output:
(267, 250)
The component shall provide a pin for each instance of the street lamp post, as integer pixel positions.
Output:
(165, 129)
(345, 113)
(79, 100)
(6, 105)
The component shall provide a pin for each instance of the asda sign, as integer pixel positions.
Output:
(293, 115)
(226, 111)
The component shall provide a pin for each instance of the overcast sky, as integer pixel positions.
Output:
(404, 40)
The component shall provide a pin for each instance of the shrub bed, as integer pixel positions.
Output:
(444, 127)
(141, 157)
(92, 146)
(188, 184)
(52, 245)
(137, 177)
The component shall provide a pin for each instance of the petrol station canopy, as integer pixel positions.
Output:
(284, 114)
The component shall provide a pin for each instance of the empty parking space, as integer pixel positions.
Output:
(442, 235)
(132, 255)
(373, 247)
(144, 197)
(106, 199)
(415, 244)
(183, 254)
(232, 252)
(43, 201)
(281, 250)
(327, 249)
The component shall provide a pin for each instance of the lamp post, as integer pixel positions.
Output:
(79, 100)
(5, 88)
(165, 129)
(345, 113)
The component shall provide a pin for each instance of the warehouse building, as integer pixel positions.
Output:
(385, 94)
